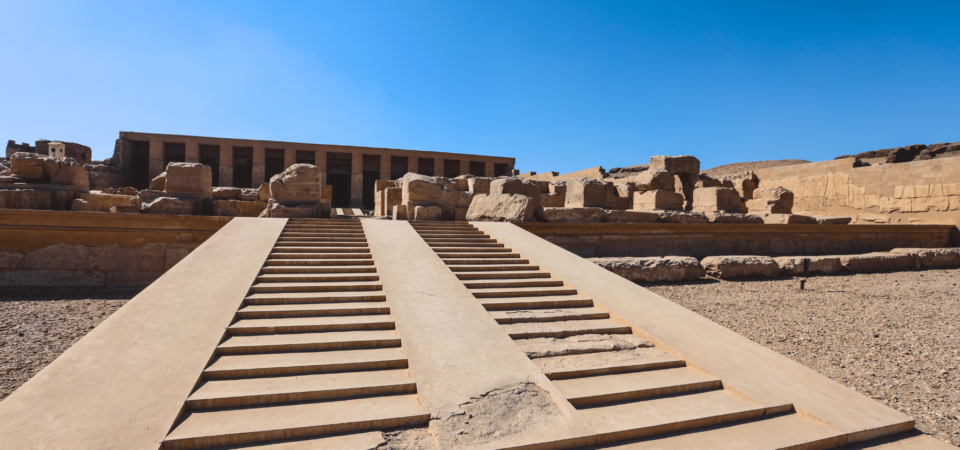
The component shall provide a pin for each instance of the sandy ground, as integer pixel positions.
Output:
(893, 337)
(38, 324)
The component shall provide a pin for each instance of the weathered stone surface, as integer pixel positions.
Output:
(577, 215)
(590, 192)
(298, 184)
(189, 178)
(677, 165)
(277, 210)
(420, 188)
(426, 213)
(132, 209)
(657, 199)
(226, 193)
(819, 265)
(29, 166)
(741, 266)
(744, 182)
(792, 219)
(730, 217)
(399, 212)
(159, 183)
(672, 216)
(654, 179)
(238, 208)
(36, 199)
(932, 258)
(552, 200)
(263, 193)
(649, 270)
(519, 186)
(501, 208)
(716, 199)
(71, 173)
(833, 220)
(169, 205)
(631, 216)
(577, 345)
(479, 185)
(776, 200)
(880, 262)
(558, 187)
(9, 260)
(98, 201)
(249, 195)
(102, 176)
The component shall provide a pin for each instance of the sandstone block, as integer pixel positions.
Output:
(833, 220)
(673, 216)
(462, 182)
(678, 165)
(819, 265)
(426, 213)
(73, 174)
(558, 188)
(170, 205)
(399, 212)
(36, 199)
(590, 192)
(501, 208)
(159, 183)
(238, 208)
(512, 185)
(249, 195)
(552, 200)
(932, 258)
(305, 210)
(879, 262)
(420, 188)
(740, 266)
(263, 193)
(29, 166)
(651, 270)
(98, 201)
(775, 200)
(657, 199)
(571, 215)
(226, 193)
(460, 214)
(792, 219)
(298, 184)
(132, 209)
(189, 178)
(654, 179)
(729, 217)
(631, 216)
(380, 185)
(744, 182)
(716, 199)
(479, 185)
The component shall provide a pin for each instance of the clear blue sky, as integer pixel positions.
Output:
(558, 85)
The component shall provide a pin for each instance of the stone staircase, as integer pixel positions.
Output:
(312, 352)
(633, 394)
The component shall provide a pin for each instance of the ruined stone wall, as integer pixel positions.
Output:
(53, 248)
(593, 172)
(913, 192)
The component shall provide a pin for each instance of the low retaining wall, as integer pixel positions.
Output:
(592, 240)
(62, 248)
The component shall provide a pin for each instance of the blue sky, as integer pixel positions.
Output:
(558, 85)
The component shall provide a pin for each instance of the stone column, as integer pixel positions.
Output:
(464, 166)
(259, 165)
(412, 164)
(321, 159)
(356, 180)
(192, 152)
(226, 165)
(488, 169)
(385, 166)
(156, 158)
(289, 157)
(438, 167)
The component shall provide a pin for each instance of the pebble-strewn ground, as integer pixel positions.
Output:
(893, 337)
(38, 324)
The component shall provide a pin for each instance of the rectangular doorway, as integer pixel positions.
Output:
(243, 167)
(210, 156)
(339, 166)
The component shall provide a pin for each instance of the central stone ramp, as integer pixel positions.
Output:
(312, 352)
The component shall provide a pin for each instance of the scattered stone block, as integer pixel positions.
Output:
(298, 184)
(657, 199)
(478, 185)
(677, 165)
(189, 178)
(98, 201)
(879, 262)
(275, 209)
(426, 213)
(832, 220)
(716, 199)
(263, 193)
(552, 200)
(29, 167)
(672, 216)
(399, 212)
(420, 188)
(819, 265)
(775, 200)
(59, 200)
(238, 208)
(654, 179)
(226, 193)
(159, 183)
(501, 208)
(131, 209)
(791, 219)
(571, 215)
(730, 217)
(933, 258)
(741, 266)
(71, 173)
(631, 216)
(590, 192)
(744, 182)
(650, 270)
(170, 205)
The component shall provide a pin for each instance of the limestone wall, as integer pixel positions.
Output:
(55, 248)
(911, 192)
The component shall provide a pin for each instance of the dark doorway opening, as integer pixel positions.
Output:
(478, 168)
(339, 166)
(451, 168)
(243, 167)
(425, 166)
(139, 164)
(398, 167)
(306, 157)
(371, 173)
(500, 170)
(174, 152)
(272, 164)
(210, 156)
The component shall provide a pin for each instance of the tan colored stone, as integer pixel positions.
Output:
(819, 265)
(631, 216)
(657, 199)
(263, 193)
(880, 262)
(98, 201)
(29, 166)
(833, 220)
(73, 174)
(654, 179)
(426, 213)
(590, 192)
(650, 270)
(741, 266)
(226, 193)
(576, 215)
(399, 212)
(775, 200)
(501, 208)
(278, 210)
(132, 209)
(716, 199)
(933, 258)
(478, 185)
(792, 219)
(552, 200)
(298, 184)
(420, 188)
(674, 216)
(189, 178)
(238, 208)
(677, 165)
(731, 217)
(159, 183)
(170, 205)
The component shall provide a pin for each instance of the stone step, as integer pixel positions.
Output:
(311, 324)
(207, 429)
(289, 255)
(430, 240)
(319, 269)
(551, 301)
(510, 283)
(301, 277)
(484, 261)
(317, 226)
(605, 363)
(261, 288)
(492, 267)
(324, 386)
(312, 310)
(357, 239)
(320, 243)
(453, 235)
(284, 298)
(501, 274)
(548, 315)
(320, 221)
(363, 249)
(277, 364)
(444, 244)
(603, 389)
(530, 330)
(273, 262)
(321, 235)
(473, 254)
(455, 231)
(521, 292)
(308, 342)
(419, 227)
(364, 440)
(458, 249)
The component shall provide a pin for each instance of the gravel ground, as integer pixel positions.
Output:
(893, 337)
(38, 324)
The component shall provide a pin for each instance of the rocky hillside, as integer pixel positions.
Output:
(746, 166)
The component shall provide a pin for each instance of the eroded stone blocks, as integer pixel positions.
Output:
(654, 269)
(716, 199)
(741, 266)
(501, 208)
(657, 199)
